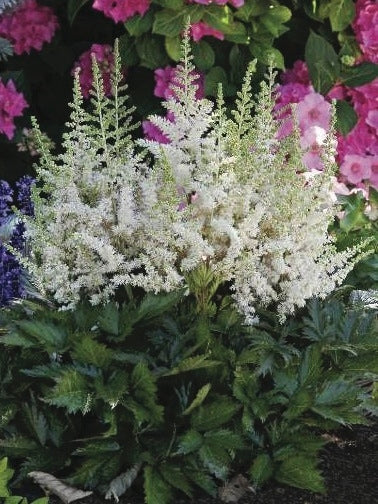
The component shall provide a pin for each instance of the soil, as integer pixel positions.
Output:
(349, 463)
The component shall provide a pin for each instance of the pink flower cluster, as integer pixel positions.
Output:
(165, 78)
(365, 27)
(201, 29)
(29, 26)
(313, 113)
(12, 104)
(234, 3)
(357, 152)
(121, 10)
(103, 54)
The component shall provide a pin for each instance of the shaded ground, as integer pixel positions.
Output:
(349, 464)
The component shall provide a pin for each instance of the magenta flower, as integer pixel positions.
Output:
(201, 29)
(105, 60)
(12, 104)
(29, 26)
(121, 10)
(365, 27)
(298, 74)
(165, 79)
(355, 168)
(152, 132)
(361, 141)
(374, 171)
(314, 110)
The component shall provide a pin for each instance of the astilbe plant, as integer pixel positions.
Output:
(224, 203)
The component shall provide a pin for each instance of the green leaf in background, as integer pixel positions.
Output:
(198, 400)
(5, 475)
(359, 75)
(346, 117)
(173, 47)
(73, 7)
(341, 14)
(322, 62)
(151, 51)
(214, 415)
(127, 50)
(171, 4)
(252, 8)
(204, 56)
(222, 19)
(262, 469)
(302, 472)
(213, 78)
(70, 392)
(171, 23)
(274, 18)
(156, 490)
(138, 25)
(354, 208)
(267, 55)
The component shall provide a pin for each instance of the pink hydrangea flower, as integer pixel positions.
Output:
(361, 140)
(201, 29)
(365, 27)
(286, 94)
(12, 104)
(374, 171)
(355, 168)
(365, 98)
(298, 74)
(29, 26)
(314, 110)
(105, 60)
(311, 141)
(121, 10)
(165, 78)
(152, 132)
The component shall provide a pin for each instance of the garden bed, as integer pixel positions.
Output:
(349, 464)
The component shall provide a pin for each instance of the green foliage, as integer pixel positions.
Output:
(6, 474)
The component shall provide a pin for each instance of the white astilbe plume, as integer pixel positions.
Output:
(224, 192)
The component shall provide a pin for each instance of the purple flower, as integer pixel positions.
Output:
(6, 199)
(25, 204)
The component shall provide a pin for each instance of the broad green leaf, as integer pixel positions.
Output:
(252, 8)
(215, 459)
(274, 17)
(302, 472)
(73, 7)
(267, 55)
(346, 117)
(52, 336)
(311, 366)
(15, 499)
(262, 469)
(90, 351)
(341, 14)
(203, 481)
(214, 415)
(204, 56)
(6, 475)
(213, 78)
(171, 23)
(322, 62)
(190, 442)
(198, 400)
(192, 364)
(156, 490)
(359, 74)
(41, 500)
(173, 47)
(298, 404)
(138, 25)
(171, 4)
(224, 437)
(127, 50)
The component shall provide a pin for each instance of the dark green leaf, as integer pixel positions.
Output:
(171, 22)
(341, 14)
(322, 62)
(262, 469)
(108, 319)
(73, 7)
(138, 25)
(191, 441)
(204, 55)
(214, 415)
(213, 78)
(346, 117)
(359, 74)
(301, 471)
(176, 478)
(173, 47)
(156, 490)
(70, 392)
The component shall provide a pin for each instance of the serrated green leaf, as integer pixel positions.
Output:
(6, 475)
(108, 319)
(203, 481)
(192, 364)
(300, 402)
(175, 477)
(302, 472)
(190, 442)
(36, 422)
(262, 469)
(48, 334)
(214, 415)
(311, 366)
(144, 390)
(215, 459)
(198, 400)
(225, 438)
(70, 392)
(341, 14)
(156, 490)
(322, 62)
(90, 351)
(17, 446)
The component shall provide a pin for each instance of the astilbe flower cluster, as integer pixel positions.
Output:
(365, 27)
(12, 104)
(223, 194)
(165, 83)
(121, 10)
(11, 273)
(103, 54)
(28, 26)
